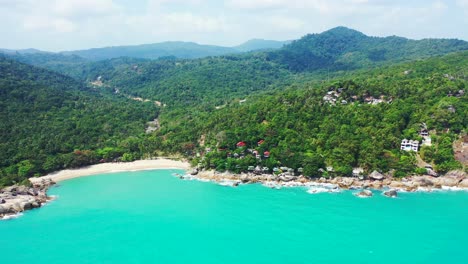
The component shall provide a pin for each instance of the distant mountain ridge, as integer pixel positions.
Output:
(176, 49)
(261, 44)
(342, 48)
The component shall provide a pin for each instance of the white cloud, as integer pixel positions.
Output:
(60, 25)
(83, 8)
(72, 24)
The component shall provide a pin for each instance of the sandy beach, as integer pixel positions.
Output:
(114, 167)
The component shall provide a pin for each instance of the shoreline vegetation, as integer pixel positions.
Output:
(16, 199)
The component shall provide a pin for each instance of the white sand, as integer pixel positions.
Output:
(114, 167)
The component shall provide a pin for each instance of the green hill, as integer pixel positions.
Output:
(49, 121)
(346, 49)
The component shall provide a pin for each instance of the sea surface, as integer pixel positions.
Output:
(154, 217)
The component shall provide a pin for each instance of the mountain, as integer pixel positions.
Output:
(260, 44)
(338, 98)
(177, 49)
(49, 121)
(21, 51)
(356, 120)
(342, 48)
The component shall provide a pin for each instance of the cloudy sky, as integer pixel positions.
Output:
(78, 24)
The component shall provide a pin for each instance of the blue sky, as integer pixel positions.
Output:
(79, 24)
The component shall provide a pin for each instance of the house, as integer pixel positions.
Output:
(251, 168)
(424, 132)
(409, 145)
(300, 170)
(265, 170)
(266, 154)
(241, 144)
(260, 142)
(358, 171)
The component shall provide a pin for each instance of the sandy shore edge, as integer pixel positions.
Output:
(111, 167)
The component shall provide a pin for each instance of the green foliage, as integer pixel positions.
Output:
(346, 49)
(49, 122)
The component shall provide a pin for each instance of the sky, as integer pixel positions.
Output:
(57, 25)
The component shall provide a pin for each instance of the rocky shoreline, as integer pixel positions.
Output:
(454, 180)
(17, 198)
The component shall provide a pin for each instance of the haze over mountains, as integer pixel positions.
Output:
(176, 49)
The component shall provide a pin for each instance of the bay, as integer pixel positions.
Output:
(154, 217)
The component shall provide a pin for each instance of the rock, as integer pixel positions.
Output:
(22, 190)
(194, 172)
(32, 191)
(423, 181)
(458, 174)
(26, 206)
(346, 182)
(391, 193)
(3, 210)
(447, 181)
(463, 183)
(364, 193)
(2, 201)
(376, 185)
(397, 185)
(375, 175)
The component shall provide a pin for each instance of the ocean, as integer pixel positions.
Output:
(154, 217)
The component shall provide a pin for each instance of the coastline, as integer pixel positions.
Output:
(111, 167)
(452, 181)
(16, 199)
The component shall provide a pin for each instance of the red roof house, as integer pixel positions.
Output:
(241, 144)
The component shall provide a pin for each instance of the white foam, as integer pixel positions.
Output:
(321, 189)
(9, 217)
(449, 188)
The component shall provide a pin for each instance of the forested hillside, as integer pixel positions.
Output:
(346, 49)
(338, 99)
(355, 121)
(49, 121)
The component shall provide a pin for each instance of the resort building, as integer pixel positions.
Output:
(409, 145)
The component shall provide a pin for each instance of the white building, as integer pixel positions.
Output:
(409, 145)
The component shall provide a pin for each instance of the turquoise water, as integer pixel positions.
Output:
(153, 217)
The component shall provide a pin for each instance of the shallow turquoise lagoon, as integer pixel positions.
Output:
(153, 217)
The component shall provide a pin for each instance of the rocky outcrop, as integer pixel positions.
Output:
(391, 193)
(447, 181)
(463, 183)
(16, 199)
(364, 193)
(375, 175)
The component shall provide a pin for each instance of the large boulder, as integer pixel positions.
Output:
(391, 193)
(364, 193)
(447, 181)
(4, 210)
(423, 181)
(463, 183)
(346, 182)
(375, 175)
(458, 174)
